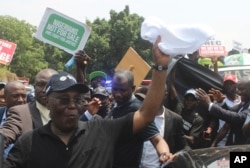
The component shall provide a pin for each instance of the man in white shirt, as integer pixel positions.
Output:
(170, 126)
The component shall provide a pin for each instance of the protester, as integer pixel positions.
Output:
(226, 101)
(14, 94)
(236, 116)
(97, 78)
(67, 142)
(102, 94)
(192, 121)
(129, 154)
(26, 117)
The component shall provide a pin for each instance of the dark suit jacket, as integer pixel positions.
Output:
(173, 133)
(21, 119)
(235, 118)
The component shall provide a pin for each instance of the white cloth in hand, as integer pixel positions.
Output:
(175, 39)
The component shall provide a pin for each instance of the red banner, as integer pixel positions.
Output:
(212, 50)
(7, 50)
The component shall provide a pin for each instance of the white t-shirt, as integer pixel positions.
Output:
(150, 157)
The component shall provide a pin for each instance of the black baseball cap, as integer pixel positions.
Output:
(100, 91)
(63, 81)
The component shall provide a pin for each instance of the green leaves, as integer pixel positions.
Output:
(31, 55)
(108, 42)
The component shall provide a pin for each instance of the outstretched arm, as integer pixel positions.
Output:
(155, 94)
(232, 117)
(161, 148)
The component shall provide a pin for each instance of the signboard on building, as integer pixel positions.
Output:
(62, 31)
(7, 50)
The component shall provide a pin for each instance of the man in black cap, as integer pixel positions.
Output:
(192, 121)
(103, 95)
(67, 142)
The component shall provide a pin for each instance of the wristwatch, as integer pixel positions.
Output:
(160, 67)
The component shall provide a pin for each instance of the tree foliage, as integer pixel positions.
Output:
(30, 55)
(27, 53)
(108, 42)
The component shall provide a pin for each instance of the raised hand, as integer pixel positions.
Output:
(81, 58)
(94, 105)
(216, 95)
(159, 57)
(203, 97)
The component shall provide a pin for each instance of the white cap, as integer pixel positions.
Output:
(192, 92)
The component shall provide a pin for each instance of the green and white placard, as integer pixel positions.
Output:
(62, 31)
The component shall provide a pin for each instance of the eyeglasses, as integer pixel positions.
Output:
(66, 101)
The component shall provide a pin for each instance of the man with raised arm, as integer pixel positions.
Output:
(67, 142)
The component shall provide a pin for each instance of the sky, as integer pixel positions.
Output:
(229, 19)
